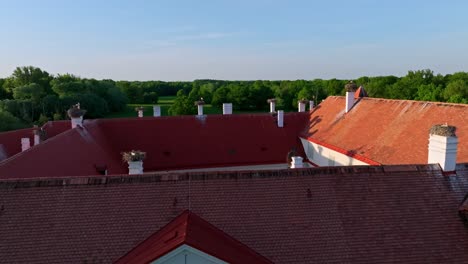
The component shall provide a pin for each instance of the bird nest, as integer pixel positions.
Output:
(140, 108)
(134, 155)
(303, 101)
(200, 102)
(443, 130)
(75, 112)
(271, 100)
(351, 86)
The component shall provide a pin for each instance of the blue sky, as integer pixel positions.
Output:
(234, 40)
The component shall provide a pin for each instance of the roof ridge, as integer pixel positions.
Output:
(207, 175)
(403, 100)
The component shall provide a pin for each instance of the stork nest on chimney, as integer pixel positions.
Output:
(200, 102)
(75, 112)
(133, 155)
(443, 130)
(303, 101)
(271, 100)
(351, 86)
(140, 108)
(39, 131)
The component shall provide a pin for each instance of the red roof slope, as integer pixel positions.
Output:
(363, 214)
(386, 131)
(190, 229)
(170, 143)
(76, 152)
(10, 142)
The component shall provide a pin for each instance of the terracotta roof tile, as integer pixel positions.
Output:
(386, 131)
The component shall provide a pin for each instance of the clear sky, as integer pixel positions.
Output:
(233, 40)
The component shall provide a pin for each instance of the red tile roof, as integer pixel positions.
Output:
(362, 214)
(386, 131)
(10, 142)
(189, 229)
(170, 143)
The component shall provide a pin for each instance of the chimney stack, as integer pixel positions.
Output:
(25, 144)
(227, 109)
(311, 105)
(272, 103)
(443, 146)
(156, 110)
(134, 159)
(280, 118)
(37, 134)
(351, 88)
(140, 110)
(200, 104)
(301, 105)
(296, 162)
(76, 115)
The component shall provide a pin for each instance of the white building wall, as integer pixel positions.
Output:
(323, 156)
(187, 255)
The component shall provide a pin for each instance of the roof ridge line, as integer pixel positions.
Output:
(210, 175)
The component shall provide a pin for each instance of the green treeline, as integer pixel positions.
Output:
(33, 96)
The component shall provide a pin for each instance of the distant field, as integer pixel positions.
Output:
(165, 102)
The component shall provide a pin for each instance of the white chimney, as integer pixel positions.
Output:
(37, 139)
(272, 104)
(296, 162)
(301, 105)
(311, 105)
(443, 146)
(280, 118)
(76, 115)
(77, 121)
(227, 109)
(199, 105)
(351, 88)
(140, 113)
(135, 167)
(156, 110)
(25, 144)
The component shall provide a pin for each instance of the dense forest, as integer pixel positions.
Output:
(33, 96)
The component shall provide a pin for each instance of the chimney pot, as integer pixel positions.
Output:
(301, 105)
(135, 167)
(227, 109)
(272, 103)
(297, 162)
(311, 105)
(156, 110)
(351, 88)
(25, 144)
(280, 118)
(443, 146)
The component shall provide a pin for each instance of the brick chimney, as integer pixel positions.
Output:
(272, 103)
(301, 105)
(351, 88)
(76, 115)
(156, 110)
(297, 162)
(25, 144)
(199, 105)
(443, 146)
(227, 109)
(280, 118)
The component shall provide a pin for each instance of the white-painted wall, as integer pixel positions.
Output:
(187, 255)
(323, 156)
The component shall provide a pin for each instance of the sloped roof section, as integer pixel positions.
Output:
(10, 141)
(190, 229)
(386, 131)
(361, 214)
(181, 142)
